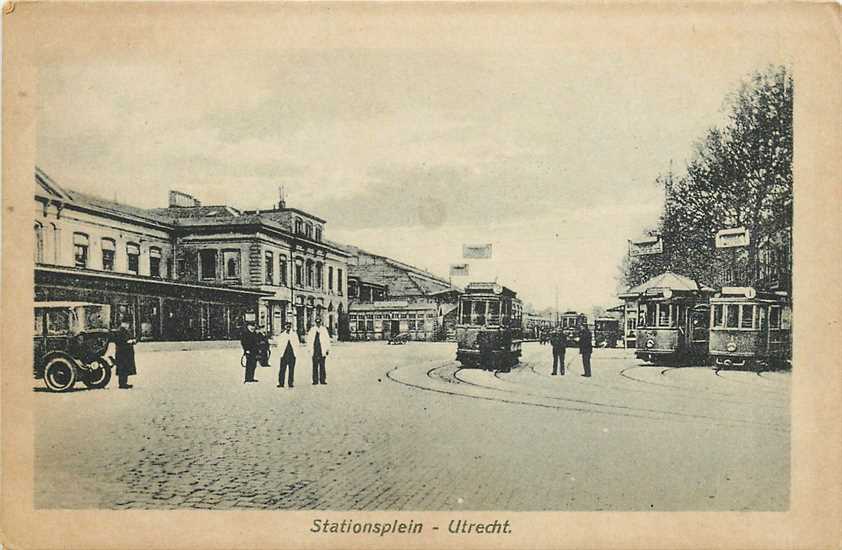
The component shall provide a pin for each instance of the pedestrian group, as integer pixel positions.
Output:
(256, 350)
(558, 343)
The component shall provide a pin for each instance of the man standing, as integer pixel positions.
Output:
(559, 345)
(124, 354)
(250, 344)
(318, 347)
(586, 348)
(486, 350)
(288, 343)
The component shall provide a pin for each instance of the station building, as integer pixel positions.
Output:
(187, 271)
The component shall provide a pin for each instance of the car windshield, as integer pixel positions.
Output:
(96, 317)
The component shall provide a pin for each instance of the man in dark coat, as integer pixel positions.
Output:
(586, 348)
(559, 345)
(486, 350)
(250, 344)
(124, 354)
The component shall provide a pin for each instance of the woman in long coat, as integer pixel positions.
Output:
(124, 354)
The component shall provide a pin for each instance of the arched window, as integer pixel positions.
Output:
(319, 233)
(299, 226)
(310, 273)
(308, 230)
(319, 275)
(282, 270)
(39, 243)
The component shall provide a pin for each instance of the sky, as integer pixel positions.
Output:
(410, 144)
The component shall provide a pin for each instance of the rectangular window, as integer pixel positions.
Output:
(310, 274)
(299, 272)
(133, 255)
(760, 316)
(774, 317)
(39, 324)
(747, 316)
(155, 262)
(651, 310)
(466, 312)
(319, 275)
(207, 263)
(283, 270)
(369, 324)
(80, 250)
(732, 316)
(664, 316)
(108, 251)
(479, 313)
(718, 318)
(269, 268)
(420, 324)
(58, 322)
(494, 313)
(181, 268)
(412, 325)
(318, 233)
(330, 277)
(361, 325)
(339, 283)
(231, 264)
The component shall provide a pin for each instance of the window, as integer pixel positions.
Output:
(494, 313)
(479, 313)
(269, 268)
(319, 275)
(664, 315)
(282, 270)
(361, 325)
(39, 243)
(54, 240)
(58, 321)
(760, 316)
(299, 272)
(718, 318)
(154, 261)
(181, 267)
(80, 250)
(310, 273)
(39, 324)
(747, 316)
(420, 324)
(108, 251)
(774, 317)
(339, 283)
(732, 315)
(308, 230)
(299, 226)
(330, 277)
(650, 311)
(412, 324)
(318, 233)
(207, 264)
(466, 312)
(133, 255)
(231, 264)
(369, 324)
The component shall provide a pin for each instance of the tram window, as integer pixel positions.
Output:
(466, 312)
(718, 320)
(747, 318)
(664, 315)
(760, 317)
(479, 311)
(494, 312)
(732, 317)
(650, 315)
(775, 317)
(681, 314)
(641, 316)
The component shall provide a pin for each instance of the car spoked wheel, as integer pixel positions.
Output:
(99, 375)
(59, 374)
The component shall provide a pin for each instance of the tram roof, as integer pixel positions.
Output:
(670, 280)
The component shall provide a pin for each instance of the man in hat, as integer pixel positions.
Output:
(586, 348)
(559, 344)
(250, 344)
(124, 353)
(288, 343)
(318, 347)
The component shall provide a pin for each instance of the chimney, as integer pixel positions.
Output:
(179, 199)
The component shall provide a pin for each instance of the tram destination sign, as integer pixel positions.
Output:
(732, 238)
(645, 247)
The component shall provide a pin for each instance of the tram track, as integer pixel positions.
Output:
(765, 389)
(578, 405)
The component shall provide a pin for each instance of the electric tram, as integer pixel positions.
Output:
(489, 328)
(749, 329)
(672, 326)
(606, 332)
(571, 323)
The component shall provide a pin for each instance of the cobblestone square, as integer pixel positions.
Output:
(404, 428)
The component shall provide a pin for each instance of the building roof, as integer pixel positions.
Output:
(669, 280)
(401, 279)
(391, 304)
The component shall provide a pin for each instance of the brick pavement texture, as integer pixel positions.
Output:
(403, 428)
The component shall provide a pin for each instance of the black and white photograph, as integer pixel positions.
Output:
(361, 260)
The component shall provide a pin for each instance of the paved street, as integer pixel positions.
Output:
(403, 428)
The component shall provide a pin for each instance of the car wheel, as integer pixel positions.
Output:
(99, 376)
(59, 374)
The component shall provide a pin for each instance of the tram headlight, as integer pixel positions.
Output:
(731, 346)
(650, 343)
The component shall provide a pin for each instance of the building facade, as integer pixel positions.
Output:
(188, 271)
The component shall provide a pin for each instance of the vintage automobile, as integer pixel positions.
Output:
(70, 342)
(489, 319)
(400, 338)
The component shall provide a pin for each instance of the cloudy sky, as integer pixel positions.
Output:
(411, 137)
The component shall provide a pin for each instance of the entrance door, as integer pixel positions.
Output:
(698, 332)
(396, 327)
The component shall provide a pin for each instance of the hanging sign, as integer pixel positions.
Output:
(460, 270)
(479, 251)
(732, 238)
(645, 247)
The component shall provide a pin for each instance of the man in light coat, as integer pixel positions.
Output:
(287, 345)
(318, 347)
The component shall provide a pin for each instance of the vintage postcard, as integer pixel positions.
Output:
(421, 275)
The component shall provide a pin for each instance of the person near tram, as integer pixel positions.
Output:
(124, 354)
(251, 344)
(558, 342)
(585, 349)
(287, 344)
(318, 348)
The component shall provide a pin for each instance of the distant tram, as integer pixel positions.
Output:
(749, 330)
(672, 326)
(606, 332)
(489, 327)
(571, 323)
